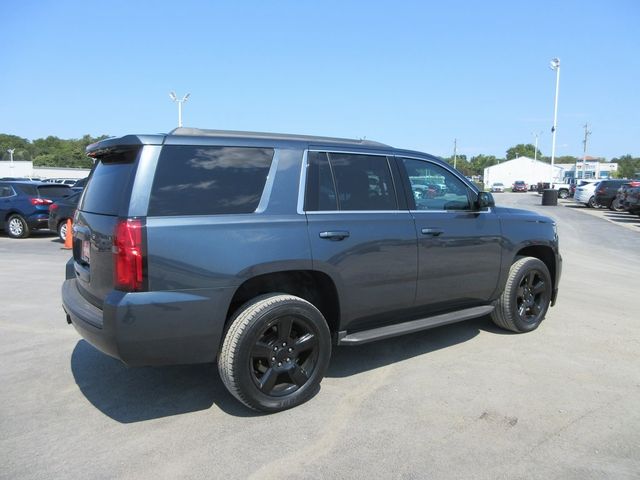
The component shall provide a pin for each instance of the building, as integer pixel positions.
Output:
(522, 168)
(20, 168)
(588, 169)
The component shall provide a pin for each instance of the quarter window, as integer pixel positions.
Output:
(434, 187)
(5, 191)
(192, 180)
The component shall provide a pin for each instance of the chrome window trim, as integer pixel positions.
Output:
(14, 194)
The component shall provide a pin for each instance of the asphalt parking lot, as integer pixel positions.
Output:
(460, 401)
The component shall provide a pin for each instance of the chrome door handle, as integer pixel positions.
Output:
(432, 231)
(334, 235)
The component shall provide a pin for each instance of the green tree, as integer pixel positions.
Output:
(628, 166)
(462, 164)
(523, 150)
(22, 148)
(480, 162)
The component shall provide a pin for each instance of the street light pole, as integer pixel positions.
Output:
(173, 97)
(11, 150)
(535, 153)
(555, 65)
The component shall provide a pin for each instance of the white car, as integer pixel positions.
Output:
(497, 187)
(585, 194)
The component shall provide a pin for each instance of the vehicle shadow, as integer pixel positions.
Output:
(130, 395)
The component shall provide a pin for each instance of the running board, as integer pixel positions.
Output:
(365, 336)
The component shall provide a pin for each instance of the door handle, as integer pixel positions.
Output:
(334, 235)
(432, 231)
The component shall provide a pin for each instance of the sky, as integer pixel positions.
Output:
(412, 74)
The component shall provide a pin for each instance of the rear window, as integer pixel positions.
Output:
(54, 191)
(193, 180)
(109, 183)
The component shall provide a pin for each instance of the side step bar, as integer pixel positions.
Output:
(366, 336)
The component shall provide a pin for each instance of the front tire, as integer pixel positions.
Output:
(526, 297)
(275, 352)
(16, 227)
(563, 194)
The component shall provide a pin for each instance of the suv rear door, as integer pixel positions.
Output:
(361, 234)
(459, 248)
(105, 200)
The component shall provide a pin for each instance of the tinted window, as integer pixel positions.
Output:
(109, 182)
(6, 191)
(436, 188)
(363, 182)
(321, 192)
(193, 180)
(26, 188)
(54, 191)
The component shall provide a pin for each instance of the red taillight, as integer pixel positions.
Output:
(127, 255)
(53, 206)
(602, 190)
(40, 201)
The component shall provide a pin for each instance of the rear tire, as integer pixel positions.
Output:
(16, 227)
(616, 206)
(563, 194)
(62, 230)
(526, 297)
(275, 352)
(592, 202)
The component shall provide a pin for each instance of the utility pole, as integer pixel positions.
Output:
(587, 132)
(455, 152)
(535, 153)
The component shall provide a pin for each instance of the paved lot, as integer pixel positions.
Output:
(461, 401)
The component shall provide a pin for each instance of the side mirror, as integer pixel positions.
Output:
(485, 200)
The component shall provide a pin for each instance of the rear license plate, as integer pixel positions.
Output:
(86, 251)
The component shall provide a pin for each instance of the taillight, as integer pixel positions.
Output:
(128, 255)
(53, 206)
(601, 190)
(40, 201)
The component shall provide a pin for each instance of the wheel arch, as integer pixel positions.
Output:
(314, 286)
(543, 253)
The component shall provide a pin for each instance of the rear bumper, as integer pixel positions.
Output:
(151, 328)
(38, 221)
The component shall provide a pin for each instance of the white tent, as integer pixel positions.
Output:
(521, 168)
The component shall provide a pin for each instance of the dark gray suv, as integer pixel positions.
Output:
(261, 251)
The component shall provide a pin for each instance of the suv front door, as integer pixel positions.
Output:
(459, 247)
(361, 234)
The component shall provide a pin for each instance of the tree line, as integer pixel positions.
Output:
(49, 152)
(56, 152)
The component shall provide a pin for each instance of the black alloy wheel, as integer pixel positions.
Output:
(526, 296)
(532, 297)
(275, 352)
(284, 356)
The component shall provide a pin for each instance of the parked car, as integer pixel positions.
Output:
(260, 251)
(61, 211)
(606, 192)
(580, 183)
(632, 200)
(585, 194)
(497, 187)
(24, 205)
(519, 186)
(79, 185)
(619, 201)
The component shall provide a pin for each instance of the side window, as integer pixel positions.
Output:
(194, 180)
(363, 182)
(320, 194)
(6, 191)
(435, 188)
